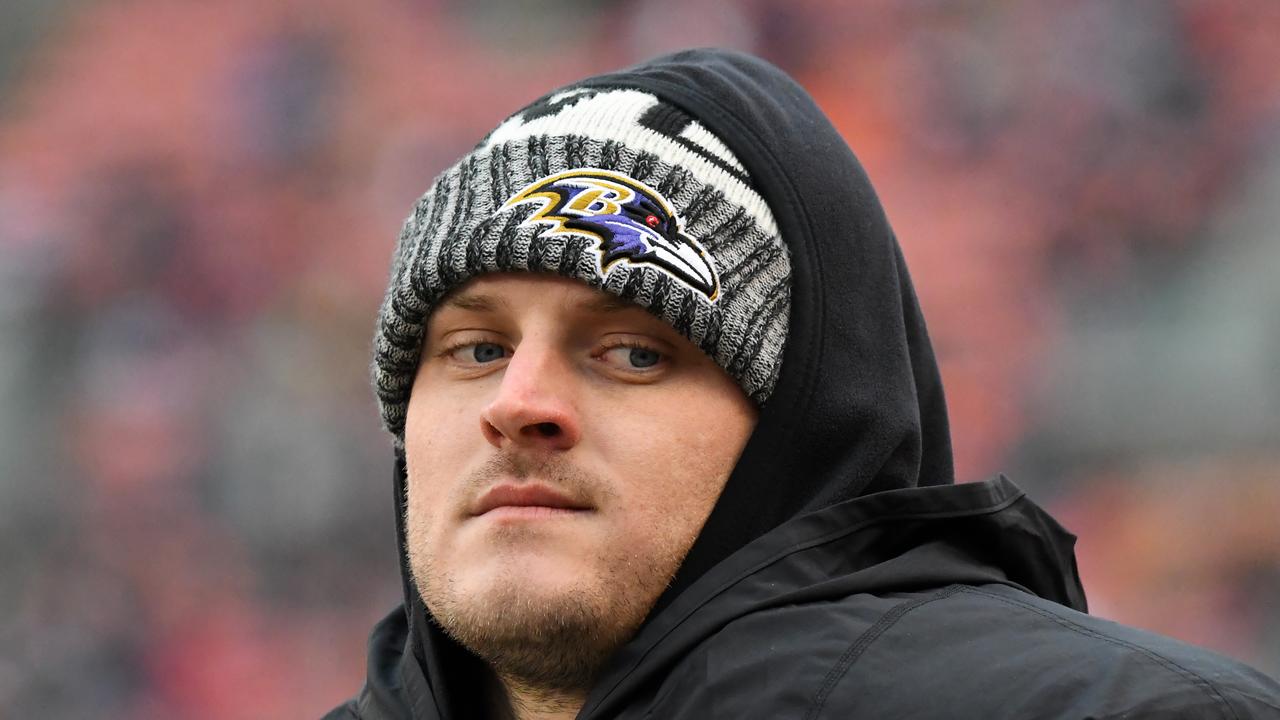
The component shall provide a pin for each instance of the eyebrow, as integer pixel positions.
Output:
(475, 302)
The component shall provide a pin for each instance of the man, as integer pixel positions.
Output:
(671, 443)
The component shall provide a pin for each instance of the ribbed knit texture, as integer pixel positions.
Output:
(459, 230)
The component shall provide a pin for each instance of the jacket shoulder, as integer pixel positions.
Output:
(989, 651)
(345, 711)
(1005, 653)
(765, 664)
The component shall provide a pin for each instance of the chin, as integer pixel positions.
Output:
(540, 631)
(538, 611)
(532, 585)
(511, 587)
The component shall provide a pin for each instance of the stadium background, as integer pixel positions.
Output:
(198, 202)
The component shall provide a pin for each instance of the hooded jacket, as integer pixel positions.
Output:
(842, 573)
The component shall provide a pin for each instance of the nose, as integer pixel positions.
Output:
(533, 408)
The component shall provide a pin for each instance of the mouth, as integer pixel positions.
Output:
(526, 500)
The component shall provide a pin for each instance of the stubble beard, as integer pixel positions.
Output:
(550, 644)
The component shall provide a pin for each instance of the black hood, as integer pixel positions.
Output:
(858, 407)
(857, 415)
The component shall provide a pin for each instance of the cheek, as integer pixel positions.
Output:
(442, 434)
(678, 458)
(425, 497)
(707, 437)
(438, 447)
(427, 465)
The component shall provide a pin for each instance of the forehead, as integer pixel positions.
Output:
(509, 292)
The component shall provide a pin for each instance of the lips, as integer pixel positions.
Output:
(530, 495)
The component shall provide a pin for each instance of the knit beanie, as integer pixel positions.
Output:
(618, 189)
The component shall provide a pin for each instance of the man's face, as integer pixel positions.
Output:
(564, 449)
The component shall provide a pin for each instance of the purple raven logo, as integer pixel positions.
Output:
(629, 221)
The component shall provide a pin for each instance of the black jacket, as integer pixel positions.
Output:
(842, 574)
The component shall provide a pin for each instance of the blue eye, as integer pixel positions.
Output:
(485, 352)
(476, 353)
(634, 359)
(644, 357)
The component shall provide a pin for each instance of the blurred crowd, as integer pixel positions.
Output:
(198, 203)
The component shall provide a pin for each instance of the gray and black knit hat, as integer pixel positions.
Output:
(618, 189)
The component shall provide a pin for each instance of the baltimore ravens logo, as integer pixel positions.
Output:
(630, 222)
